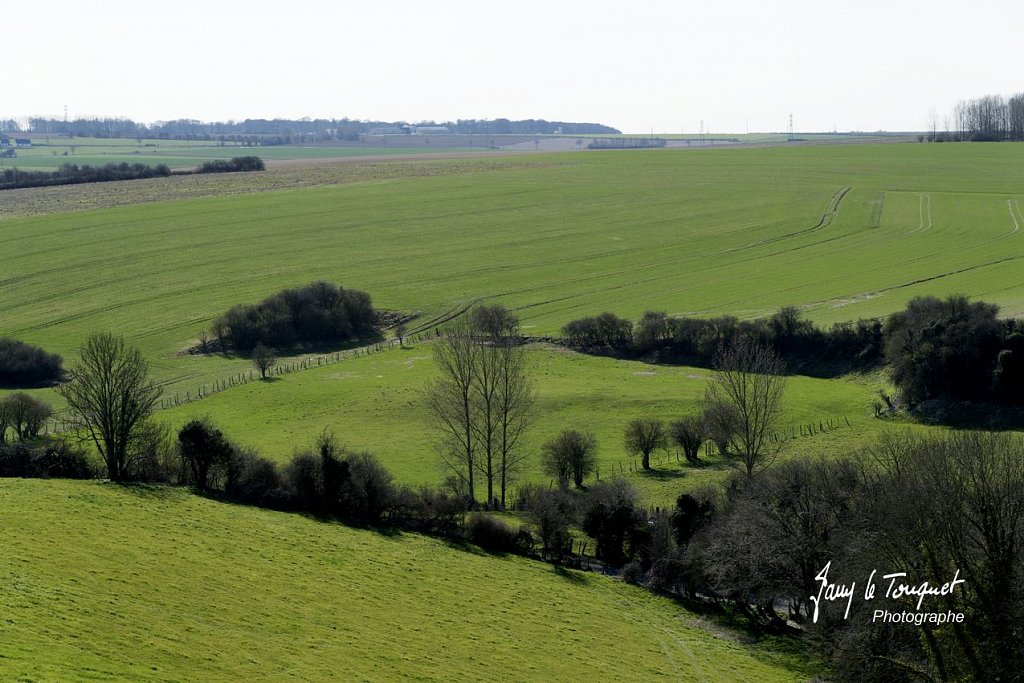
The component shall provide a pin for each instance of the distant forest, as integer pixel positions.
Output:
(992, 118)
(284, 131)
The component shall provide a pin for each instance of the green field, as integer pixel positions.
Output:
(559, 237)
(50, 154)
(161, 585)
(372, 403)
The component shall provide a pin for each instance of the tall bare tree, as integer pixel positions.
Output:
(515, 405)
(482, 403)
(450, 401)
(110, 397)
(749, 384)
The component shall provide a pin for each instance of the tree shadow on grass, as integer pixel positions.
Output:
(150, 491)
(662, 475)
(576, 577)
(271, 380)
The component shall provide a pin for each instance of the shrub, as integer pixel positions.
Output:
(50, 458)
(491, 534)
(255, 480)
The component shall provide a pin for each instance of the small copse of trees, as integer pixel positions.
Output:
(320, 312)
(23, 414)
(23, 365)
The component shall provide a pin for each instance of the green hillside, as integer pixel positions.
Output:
(843, 231)
(102, 582)
(372, 403)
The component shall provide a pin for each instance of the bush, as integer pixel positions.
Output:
(23, 365)
(491, 534)
(255, 480)
(612, 519)
(944, 348)
(51, 458)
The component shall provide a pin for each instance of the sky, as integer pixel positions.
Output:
(642, 66)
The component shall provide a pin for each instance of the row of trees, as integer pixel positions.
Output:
(234, 165)
(805, 347)
(290, 130)
(25, 365)
(992, 118)
(320, 312)
(73, 174)
(482, 404)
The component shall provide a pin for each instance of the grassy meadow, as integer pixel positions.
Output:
(214, 591)
(49, 154)
(373, 403)
(842, 231)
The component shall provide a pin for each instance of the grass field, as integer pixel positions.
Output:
(162, 585)
(178, 154)
(842, 231)
(726, 231)
(372, 403)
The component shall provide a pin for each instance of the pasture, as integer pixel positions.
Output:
(373, 403)
(48, 154)
(841, 231)
(553, 237)
(163, 585)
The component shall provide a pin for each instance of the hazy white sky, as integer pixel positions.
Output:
(864, 65)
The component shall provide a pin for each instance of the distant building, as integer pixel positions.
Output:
(388, 130)
(430, 130)
(22, 142)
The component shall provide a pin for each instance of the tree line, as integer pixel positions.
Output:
(992, 118)
(73, 174)
(946, 350)
(283, 131)
(805, 348)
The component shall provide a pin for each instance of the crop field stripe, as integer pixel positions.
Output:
(1010, 204)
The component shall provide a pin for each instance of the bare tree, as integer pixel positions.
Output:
(570, 454)
(26, 414)
(515, 405)
(450, 402)
(643, 437)
(688, 434)
(400, 334)
(110, 397)
(750, 384)
(263, 359)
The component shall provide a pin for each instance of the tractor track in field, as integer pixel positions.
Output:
(924, 209)
(827, 216)
(447, 316)
(1010, 203)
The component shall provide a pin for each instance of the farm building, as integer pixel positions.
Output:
(430, 130)
(23, 142)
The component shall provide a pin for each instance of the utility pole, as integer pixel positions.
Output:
(790, 127)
